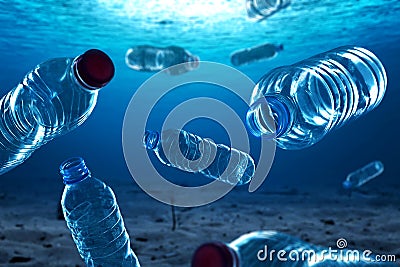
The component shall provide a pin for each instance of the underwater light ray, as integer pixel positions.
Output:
(168, 9)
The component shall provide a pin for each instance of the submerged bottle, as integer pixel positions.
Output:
(93, 217)
(275, 249)
(258, 53)
(309, 99)
(150, 58)
(53, 99)
(363, 175)
(191, 153)
(262, 9)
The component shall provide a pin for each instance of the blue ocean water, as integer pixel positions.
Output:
(34, 31)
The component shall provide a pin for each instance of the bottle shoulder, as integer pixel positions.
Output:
(177, 50)
(171, 135)
(89, 189)
(49, 78)
(57, 74)
(52, 91)
(55, 65)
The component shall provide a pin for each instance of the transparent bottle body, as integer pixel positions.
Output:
(254, 54)
(150, 58)
(262, 9)
(94, 219)
(363, 175)
(318, 94)
(48, 102)
(191, 153)
(260, 249)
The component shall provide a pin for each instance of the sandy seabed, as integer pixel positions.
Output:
(31, 234)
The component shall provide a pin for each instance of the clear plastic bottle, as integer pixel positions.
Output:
(363, 175)
(200, 155)
(150, 58)
(53, 99)
(262, 9)
(310, 98)
(274, 249)
(253, 54)
(93, 217)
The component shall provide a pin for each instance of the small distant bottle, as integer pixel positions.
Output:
(363, 175)
(92, 214)
(148, 58)
(275, 249)
(298, 105)
(191, 153)
(53, 99)
(253, 54)
(262, 9)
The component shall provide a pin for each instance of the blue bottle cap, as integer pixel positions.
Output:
(74, 170)
(151, 139)
(215, 254)
(347, 184)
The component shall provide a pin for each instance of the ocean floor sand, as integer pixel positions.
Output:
(31, 234)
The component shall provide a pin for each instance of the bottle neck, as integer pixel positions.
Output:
(78, 78)
(269, 116)
(151, 140)
(74, 170)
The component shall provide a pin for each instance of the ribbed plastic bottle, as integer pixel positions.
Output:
(253, 54)
(262, 9)
(309, 99)
(54, 98)
(363, 175)
(191, 153)
(275, 249)
(94, 219)
(149, 58)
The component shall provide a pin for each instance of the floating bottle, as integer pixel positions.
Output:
(191, 153)
(253, 54)
(363, 175)
(262, 9)
(94, 219)
(54, 98)
(148, 58)
(309, 99)
(275, 249)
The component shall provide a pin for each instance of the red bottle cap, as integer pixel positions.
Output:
(215, 254)
(94, 69)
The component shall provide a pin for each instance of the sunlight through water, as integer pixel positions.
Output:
(163, 11)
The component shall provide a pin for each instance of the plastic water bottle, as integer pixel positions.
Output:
(150, 58)
(258, 53)
(311, 98)
(92, 214)
(363, 175)
(191, 153)
(262, 9)
(274, 249)
(54, 98)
